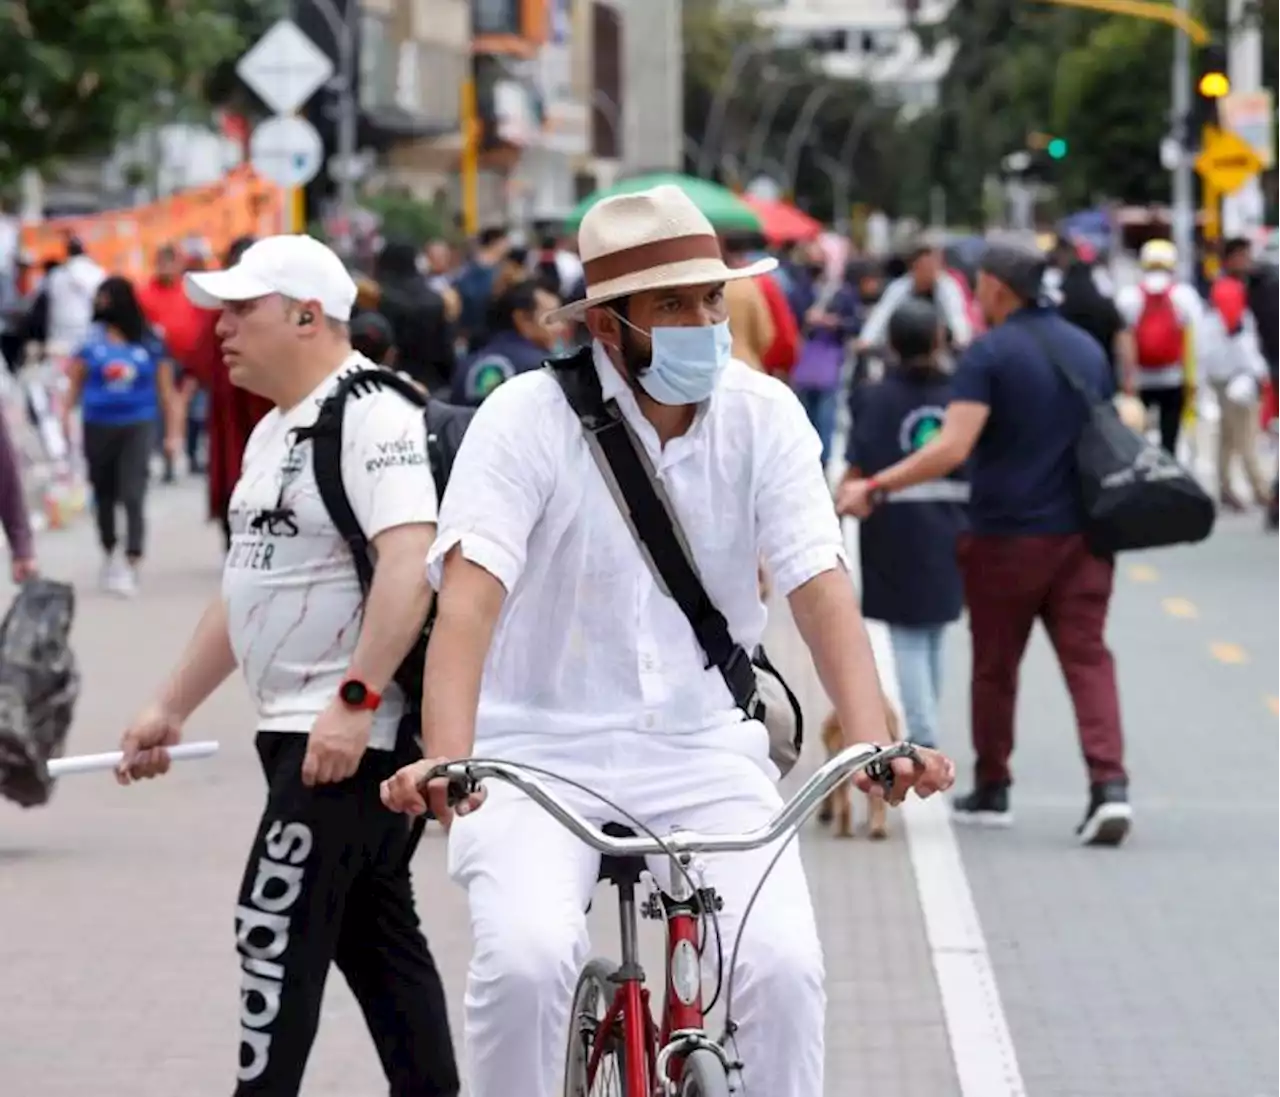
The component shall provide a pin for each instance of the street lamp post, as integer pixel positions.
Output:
(795, 142)
(844, 195)
(720, 104)
(1184, 229)
(764, 124)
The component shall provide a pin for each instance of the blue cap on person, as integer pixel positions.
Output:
(299, 267)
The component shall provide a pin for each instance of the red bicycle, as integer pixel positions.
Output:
(615, 1046)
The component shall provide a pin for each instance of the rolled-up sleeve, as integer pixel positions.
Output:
(799, 533)
(499, 484)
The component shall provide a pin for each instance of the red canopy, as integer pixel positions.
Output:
(782, 223)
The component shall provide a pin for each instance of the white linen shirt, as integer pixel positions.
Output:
(587, 643)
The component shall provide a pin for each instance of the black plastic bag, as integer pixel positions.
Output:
(39, 686)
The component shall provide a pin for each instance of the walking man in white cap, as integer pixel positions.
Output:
(555, 646)
(327, 879)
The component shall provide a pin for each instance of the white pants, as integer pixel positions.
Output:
(529, 881)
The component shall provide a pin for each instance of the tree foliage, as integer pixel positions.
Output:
(766, 80)
(1114, 134)
(76, 75)
(1101, 81)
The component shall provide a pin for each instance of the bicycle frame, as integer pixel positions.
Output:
(656, 1056)
(653, 1055)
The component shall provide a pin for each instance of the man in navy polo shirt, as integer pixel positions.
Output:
(519, 340)
(1026, 557)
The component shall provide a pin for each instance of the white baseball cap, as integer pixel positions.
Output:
(294, 266)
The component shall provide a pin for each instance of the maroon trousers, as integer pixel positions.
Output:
(1009, 583)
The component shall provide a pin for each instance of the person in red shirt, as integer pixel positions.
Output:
(785, 348)
(177, 322)
(233, 412)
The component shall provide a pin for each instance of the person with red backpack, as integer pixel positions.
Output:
(1161, 312)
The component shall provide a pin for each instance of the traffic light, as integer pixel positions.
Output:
(1057, 148)
(1214, 82)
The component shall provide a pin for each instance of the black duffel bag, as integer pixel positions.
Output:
(1135, 495)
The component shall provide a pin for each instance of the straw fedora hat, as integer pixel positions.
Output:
(651, 239)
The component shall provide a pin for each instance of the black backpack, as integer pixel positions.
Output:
(444, 425)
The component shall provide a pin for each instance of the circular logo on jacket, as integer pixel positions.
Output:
(487, 374)
(920, 427)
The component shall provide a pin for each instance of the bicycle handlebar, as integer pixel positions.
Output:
(464, 777)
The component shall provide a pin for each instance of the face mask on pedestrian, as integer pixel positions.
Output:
(684, 363)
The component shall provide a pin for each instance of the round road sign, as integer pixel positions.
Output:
(287, 151)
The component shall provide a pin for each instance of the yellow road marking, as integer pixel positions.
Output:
(1143, 573)
(1273, 703)
(1180, 607)
(1233, 654)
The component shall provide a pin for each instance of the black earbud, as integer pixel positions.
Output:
(305, 317)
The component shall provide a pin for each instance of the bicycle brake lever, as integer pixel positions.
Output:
(879, 769)
(459, 789)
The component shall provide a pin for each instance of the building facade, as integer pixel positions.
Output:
(409, 61)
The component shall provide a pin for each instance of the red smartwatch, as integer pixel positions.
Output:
(355, 694)
(877, 494)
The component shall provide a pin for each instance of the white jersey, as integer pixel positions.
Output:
(294, 603)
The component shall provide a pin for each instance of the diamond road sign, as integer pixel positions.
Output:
(284, 67)
(1227, 162)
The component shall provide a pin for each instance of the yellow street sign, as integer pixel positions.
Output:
(1227, 162)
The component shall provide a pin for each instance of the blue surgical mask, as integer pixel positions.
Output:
(686, 363)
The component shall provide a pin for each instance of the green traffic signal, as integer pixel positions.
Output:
(1057, 148)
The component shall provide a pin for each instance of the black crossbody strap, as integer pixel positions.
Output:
(1068, 374)
(326, 435)
(627, 472)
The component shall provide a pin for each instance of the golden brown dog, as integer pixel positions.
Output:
(839, 803)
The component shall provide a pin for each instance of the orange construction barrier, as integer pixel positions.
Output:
(125, 241)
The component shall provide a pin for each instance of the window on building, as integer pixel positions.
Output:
(379, 65)
(496, 16)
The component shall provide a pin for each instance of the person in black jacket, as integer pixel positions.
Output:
(910, 578)
(417, 316)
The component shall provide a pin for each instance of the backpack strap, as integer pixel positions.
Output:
(325, 435)
(624, 464)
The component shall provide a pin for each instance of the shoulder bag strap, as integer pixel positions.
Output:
(625, 467)
(1068, 374)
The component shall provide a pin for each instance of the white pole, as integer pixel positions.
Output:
(94, 763)
(1184, 236)
(1242, 212)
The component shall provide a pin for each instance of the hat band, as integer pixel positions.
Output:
(642, 257)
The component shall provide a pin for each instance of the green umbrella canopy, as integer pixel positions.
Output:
(724, 209)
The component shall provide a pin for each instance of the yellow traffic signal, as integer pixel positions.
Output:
(1214, 85)
(1214, 82)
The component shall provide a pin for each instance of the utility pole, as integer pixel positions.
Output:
(1184, 226)
(341, 26)
(1242, 211)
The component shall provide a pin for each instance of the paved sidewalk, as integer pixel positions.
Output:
(119, 975)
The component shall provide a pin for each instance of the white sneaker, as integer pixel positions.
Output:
(107, 574)
(121, 579)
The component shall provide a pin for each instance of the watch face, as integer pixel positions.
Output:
(353, 693)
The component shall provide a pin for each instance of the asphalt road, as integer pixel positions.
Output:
(1145, 970)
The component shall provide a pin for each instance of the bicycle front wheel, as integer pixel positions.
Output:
(590, 1041)
(704, 1075)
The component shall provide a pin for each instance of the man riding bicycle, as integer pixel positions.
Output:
(555, 646)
